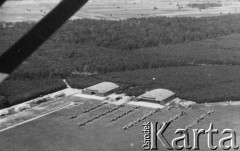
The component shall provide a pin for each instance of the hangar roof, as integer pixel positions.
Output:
(157, 94)
(103, 87)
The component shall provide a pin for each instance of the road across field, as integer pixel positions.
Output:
(31, 114)
(35, 118)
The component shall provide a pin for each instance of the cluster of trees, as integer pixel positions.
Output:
(14, 91)
(200, 84)
(65, 60)
(137, 33)
(204, 5)
(3, 102)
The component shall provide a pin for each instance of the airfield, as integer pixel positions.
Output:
(58, 131)
(30, 10)
(57, 125)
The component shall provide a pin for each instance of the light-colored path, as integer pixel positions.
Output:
(146, 104)
(90, 96)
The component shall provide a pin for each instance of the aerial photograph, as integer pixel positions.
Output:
(119, 75)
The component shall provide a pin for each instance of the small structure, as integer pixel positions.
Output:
(77, 102)
(39, 101)
(4, 112)
(59, 96)
(161, 96)
(101, 89)
(22, 107)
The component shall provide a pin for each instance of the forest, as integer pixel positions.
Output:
(83, 51)
(134, 33)
(204, 5)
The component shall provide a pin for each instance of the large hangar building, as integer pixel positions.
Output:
(101, 89)
(160, 96)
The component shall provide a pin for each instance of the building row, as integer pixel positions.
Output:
(161, 96)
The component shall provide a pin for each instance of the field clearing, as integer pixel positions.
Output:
(30, 10)
(57, 132)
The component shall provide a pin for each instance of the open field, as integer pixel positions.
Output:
(29, 10)
(57, 132)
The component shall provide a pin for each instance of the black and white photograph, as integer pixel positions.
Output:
(119, 75)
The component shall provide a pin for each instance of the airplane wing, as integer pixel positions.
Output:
(24, 47)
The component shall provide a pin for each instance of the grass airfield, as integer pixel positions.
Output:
(58, 132)
(30, 10)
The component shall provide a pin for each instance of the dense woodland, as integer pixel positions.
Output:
(135, 33)
(204, 5)
(99, 47)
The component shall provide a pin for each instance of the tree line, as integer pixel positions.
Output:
(204, 5)
(135, 33)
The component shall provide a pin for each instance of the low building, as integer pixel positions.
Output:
(22, 107)
(4, 112)
(59, 96)
(101, 89)
(161, 96)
